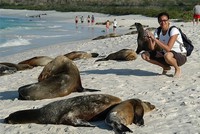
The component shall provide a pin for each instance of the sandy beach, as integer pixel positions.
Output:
(177, 100)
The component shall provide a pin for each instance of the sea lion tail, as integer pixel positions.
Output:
(94, 54)
(121, 128)
(103, 59)
(91, 90)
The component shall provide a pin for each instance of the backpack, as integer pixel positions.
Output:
(187, 43)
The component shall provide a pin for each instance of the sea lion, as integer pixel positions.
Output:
(142, 40)
(126, 113)
(111, 35)
(74, 55)
(58, 78)
(18, 67)
(7, 70)
(122, 55)
(76, 111)
(37, 61)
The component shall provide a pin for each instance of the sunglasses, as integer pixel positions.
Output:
(160, 21)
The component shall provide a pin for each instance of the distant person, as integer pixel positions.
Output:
(92, 19)
(196, 15)
(114, 25)
(76, 20)
(88, 19)
(82, 19)
(107, 25)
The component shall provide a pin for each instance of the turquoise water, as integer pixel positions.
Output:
(18, 34)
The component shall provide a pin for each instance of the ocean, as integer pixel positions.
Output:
(18, 34)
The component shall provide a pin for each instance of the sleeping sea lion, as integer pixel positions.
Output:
(74, 55)
(7, 70)
(58, 78)
(37, 61)
(142, 40)
(122, 55)
(76, 111)
(18, 67)
(126, 113)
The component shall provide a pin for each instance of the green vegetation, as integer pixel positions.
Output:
(178, 9)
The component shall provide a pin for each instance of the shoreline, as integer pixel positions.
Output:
(176, 99)
(36, 42)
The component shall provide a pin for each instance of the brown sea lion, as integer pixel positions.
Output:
(17, 66)
(122, 55)
(111, 35)
(76, 111)
(142, 40)
(74, 55)
(37, 61)
(59, 77)
(126, 113)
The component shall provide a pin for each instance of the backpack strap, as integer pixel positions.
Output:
(171, 29)
(159, 30)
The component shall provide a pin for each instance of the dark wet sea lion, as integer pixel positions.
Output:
(142, 40)
(37, 61)
(74, 55)
(122, 55)
(76, 111)
(59, 77)
(126, 113)
(7, 70)
(17, 66)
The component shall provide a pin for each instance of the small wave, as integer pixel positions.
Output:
(15, 42)
(55, 26)
(54, 36)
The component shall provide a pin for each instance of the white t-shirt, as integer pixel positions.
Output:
(197, 9)
(177, 47)
(115, 23)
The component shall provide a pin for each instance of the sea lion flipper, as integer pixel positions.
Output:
(75, 122)
(103, 59)
(121, 128)
(83, 123)
(94, 54)
(91, 90)
(138, 116)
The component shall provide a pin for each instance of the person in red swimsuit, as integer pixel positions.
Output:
(196, 16)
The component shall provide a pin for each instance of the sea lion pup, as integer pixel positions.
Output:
(126, 113)
(142, 40)
(76, 111)
(7, 70)
(122, 55)
(37, 61)
(74, 55)
(19, 67)
(59, 77)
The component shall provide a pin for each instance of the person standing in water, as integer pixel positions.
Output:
(114, 25)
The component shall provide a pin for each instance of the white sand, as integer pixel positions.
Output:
(177, 100)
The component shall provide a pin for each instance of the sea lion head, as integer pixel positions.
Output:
(147, 106)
